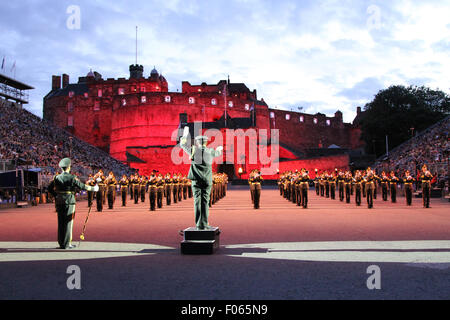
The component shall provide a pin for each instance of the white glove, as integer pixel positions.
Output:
(185, 132)
(219, 149)
(99, 179)
(95, 188)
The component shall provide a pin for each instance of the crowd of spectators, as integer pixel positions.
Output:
(430, 147)
(36, 142)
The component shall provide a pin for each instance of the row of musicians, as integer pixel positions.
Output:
(362, 182)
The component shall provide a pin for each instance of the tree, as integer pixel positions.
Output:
(398, 109)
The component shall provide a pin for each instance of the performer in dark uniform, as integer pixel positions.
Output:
(408, 181)
(393, 181)
(180, 187)
(100, 179)
(63, 187)
(384, 179)
(256, 181)
(332, 183)
(298, 192)
(327, 185)
(252, 186)
(124, 182)
(152, 190)
(322, 184)
(200, 174)
(135, 183)
(175, 187)
(358, 187)
(369, 179)
(168, 183)
(143, 187)
(130, 186)
(341, 185)
(304, 186)
(426, 178)
(348, 185)
(159, 191)
(90, 182)
(316, 181)
(111, 183)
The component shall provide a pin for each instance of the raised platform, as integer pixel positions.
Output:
(200, 241)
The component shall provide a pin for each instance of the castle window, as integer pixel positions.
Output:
(97, 106)
(71, 94)
(191, 100)
(213, 102)
(315, 120)
(247, 106)
(230, 104)
(302, 119)
(328, 122)
(124, 102)
(70, 121)
(86, 95)
(121, 91)
(143, 99)
(142, 89)
(99, 93)
(167, 99)
(288, 117)
(272, 115)
(70, 106)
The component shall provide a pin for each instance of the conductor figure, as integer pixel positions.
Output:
(200, 173)
(63, 187)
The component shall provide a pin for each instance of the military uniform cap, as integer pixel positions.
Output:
(64, 163)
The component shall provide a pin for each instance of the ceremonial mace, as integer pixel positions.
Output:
(84, 226)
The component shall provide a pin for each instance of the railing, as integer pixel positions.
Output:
(14, 93)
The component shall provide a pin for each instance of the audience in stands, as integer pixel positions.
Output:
(25, 136)
(431, 147)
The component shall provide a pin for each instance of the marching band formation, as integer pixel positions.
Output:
(173, 187)
(363, 183)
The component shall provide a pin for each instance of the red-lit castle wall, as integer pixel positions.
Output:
(138, 117)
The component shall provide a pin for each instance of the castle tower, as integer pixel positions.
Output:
(136, 71)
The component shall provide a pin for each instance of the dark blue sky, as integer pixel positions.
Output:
(320, 55)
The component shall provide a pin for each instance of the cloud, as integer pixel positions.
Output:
(333, 54)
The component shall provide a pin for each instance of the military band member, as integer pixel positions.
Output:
(123, 183)
(332, 183)
(111, 183)
(348, 185)
(255, 180)
(130, 186)
(185, 182)
(142, 187)
(316, 181)
(175, 184)
(304, 186)
(327, 185)
(200, 173)
(393, 181)
(358, 187)
(135, 184)
(90, 182)
(100, 179)
(370, 181)
(298, 192)
(408, 182)
(63, 187)
(152, 190)
(384, 185)
(294, 191)
(426, 178)
(168, 183)
(322, 184)
(159, 191)
(341, 185)
(180, 187)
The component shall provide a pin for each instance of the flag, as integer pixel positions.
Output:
(3, 63)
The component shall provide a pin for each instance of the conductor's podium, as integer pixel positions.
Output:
(200, 241)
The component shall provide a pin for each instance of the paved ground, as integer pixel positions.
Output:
(280, 251)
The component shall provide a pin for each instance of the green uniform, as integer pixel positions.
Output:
(63, 188)
(200, 173)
